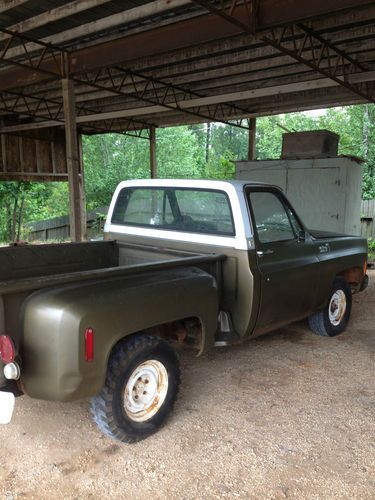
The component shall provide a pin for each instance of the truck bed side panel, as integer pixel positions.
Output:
(45, 260)
(53, 361)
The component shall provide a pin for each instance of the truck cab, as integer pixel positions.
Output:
(276, 270)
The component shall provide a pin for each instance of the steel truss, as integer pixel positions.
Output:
(54, 62)
(303, 44)
(52, 111)
(242, 13)
(124, 82)
(298, 41)
(49, 61)
(33, 107)
(119, 126)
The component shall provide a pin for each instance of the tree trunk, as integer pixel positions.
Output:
(14, 220)
(208, 141)
(20, 216)
(366, 130)
(8, 221)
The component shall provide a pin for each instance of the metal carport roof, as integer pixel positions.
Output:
(112, 65)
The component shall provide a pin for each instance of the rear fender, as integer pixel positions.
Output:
(55, 321)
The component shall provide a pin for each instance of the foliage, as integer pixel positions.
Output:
(111, 158)
(21, 202)
(196, 151)
(371, 250)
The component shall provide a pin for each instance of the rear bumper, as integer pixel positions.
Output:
(12, 386)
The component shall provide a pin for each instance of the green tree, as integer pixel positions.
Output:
(111, 158)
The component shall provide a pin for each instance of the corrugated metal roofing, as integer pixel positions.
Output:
(177, 59)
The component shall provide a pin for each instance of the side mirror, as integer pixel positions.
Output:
(302, 235)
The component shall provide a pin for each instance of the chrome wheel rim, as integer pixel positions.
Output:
(337, 307)
(146, 390)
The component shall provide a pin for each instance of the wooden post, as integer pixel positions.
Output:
(77, 217)
(251, 155)
(153, 166)
(82, 188)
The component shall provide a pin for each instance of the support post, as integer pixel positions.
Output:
(251, 155)
(77, 211)
(153, 165)
(82, 188)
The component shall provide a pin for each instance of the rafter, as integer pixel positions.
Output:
(50, 111)
(115, 20)
(11, 4)
(146, 89)
(48, 62)
(50, 16)
(164, 94)
(32, 107)
(301, 43)
(318, 53)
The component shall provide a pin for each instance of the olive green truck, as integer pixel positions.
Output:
(197, 263)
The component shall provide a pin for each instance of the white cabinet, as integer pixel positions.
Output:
(326, 192)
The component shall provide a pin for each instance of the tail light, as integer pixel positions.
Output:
(7, 349)
(89, 345)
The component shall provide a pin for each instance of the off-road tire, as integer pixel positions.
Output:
(320, 322)
(107, 408)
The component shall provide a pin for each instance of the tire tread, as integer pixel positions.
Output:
(319, 322)
(101, 407)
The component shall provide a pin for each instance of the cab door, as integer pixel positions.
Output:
(286, 257)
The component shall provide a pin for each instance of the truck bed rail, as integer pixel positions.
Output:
(38, 282)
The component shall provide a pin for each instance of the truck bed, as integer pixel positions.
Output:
(32, 267)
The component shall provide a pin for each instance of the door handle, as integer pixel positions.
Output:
(265, 252)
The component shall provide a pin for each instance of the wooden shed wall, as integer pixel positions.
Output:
(367, 219)
(37, 156)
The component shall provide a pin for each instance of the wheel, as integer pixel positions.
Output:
(141, 386)
(332, 320)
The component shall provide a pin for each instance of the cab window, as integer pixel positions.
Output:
(175, 209)
(273, 221)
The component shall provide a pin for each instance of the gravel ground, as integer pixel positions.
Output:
(288, 415)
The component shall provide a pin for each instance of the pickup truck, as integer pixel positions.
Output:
(198, 263)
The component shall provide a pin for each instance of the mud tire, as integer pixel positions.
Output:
(107, 408)
(320, 322)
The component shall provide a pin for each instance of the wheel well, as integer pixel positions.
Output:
(187, 331)
(353, 275)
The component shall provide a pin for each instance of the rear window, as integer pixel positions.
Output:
(175, 209)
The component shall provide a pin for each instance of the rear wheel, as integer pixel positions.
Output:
(141, 387)
(332, 320)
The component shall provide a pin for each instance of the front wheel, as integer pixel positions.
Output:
(141, 387)
(333, 319)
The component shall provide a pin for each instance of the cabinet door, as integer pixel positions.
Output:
(318, 196)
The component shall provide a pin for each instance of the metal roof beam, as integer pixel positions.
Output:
(235, 56)
(321, 55)
(66, 10)
(160, 93)
(51, 111)
(308, 47)
(205, 28)
(11, 4)
(105, 23)
(272, 91)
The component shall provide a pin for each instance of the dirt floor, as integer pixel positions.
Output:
(289, 415)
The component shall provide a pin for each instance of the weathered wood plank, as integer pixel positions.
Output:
(40, 154)
(368, 219)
